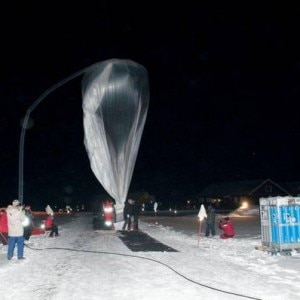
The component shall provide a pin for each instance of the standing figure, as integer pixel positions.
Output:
(128, 214)
(50, 222)
(136, 213)
(29, 222)
(210, 221)
(3, 227)
(50, 225)
(227, 226)
(15, 217)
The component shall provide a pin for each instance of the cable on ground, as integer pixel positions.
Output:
(146, 258)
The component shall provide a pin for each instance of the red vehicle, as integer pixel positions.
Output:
(108, 211)
(105, 217)
(3, 227)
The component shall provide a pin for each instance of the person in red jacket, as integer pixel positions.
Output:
(227, 226)
(50, 225)
(48, 222)
(3, 227)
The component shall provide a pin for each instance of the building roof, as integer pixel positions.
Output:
(236, 188)
(292, 186)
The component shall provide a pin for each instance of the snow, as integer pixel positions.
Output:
(85, 264)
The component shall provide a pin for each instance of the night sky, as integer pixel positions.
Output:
(224, 93)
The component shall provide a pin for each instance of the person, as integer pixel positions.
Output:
(210, 221)
(128, 214)
(15, 217)
(227, 226)
(48, 222)
(3, 227)
(136, 212)
(54, 230)
(29, 222)
(51, 226)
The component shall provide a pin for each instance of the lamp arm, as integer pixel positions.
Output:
(26, 119)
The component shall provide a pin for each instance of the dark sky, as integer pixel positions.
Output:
(224, 93)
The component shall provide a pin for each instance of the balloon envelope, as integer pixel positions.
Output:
(115, 105)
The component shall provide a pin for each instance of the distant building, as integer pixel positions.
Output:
(293, 187)
(232, 194)
(142, 197)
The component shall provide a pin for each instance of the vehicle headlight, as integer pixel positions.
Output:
(108, 223)
(108, 209)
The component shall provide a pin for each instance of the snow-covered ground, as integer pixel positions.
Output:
(85, 264)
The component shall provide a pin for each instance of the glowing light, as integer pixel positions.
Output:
(26, 222)
(244, 205)
(108, 209)
(108, 223)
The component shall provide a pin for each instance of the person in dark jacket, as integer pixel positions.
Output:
(210, 221)
(227, 226)
(136, 213)
(128, 214)
(29, 222)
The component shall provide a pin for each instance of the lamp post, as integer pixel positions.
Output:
(26, 119)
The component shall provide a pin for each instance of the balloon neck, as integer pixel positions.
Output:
(119, 212)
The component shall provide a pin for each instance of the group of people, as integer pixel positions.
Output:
(225, 224)
(132, 209)
(16, 222)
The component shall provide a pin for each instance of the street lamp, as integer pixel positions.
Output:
(26, 119)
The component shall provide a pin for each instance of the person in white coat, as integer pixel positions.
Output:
(15, 217)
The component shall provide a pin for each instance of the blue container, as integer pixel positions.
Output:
(280, 222)
(297, 217)
(275, 237)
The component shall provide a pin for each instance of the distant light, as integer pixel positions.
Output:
(108, 223)
(244, 205)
